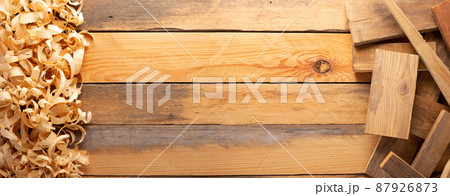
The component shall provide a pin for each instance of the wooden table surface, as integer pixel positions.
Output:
(222, 39)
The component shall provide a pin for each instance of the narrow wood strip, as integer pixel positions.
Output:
(434, 146)
(238, 176)
(425, 114)
(398, 168)
(344, 104)
(205, 150)
(446, 172)
(441, 14)
(435, 66)
(364, 56)
(393, 89)
(113, 57)
(370, 20)
(213, 15)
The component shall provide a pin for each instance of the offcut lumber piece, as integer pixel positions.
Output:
(441, 14)
(435, 66)
(398, 168)
(370, 20)
(434, 146)
(364, 56)
(392, 94)
(446, 171)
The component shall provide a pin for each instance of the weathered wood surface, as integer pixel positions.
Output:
(434, 64)
(393, 89)
(398, 168)
(215, 15)
(441, 13)
(434, 146)
(113, 57)
(227, 149)
(370, 20)
(364, 56)
(344, 104)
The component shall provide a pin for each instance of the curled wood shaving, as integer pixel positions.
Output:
(40, 60)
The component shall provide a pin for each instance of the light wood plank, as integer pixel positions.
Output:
(441, 13)
(345, 104)
(435, 66)
(446, 172)
(370, 20)
(398, 168)
(208, 150)
(113, 57)
(215, 15)
(393, 87)
(364, 56)
(434, 146)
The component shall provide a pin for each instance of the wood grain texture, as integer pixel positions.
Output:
(370, 20)
(406, 149)
(364, 56)
(434, 64)
(434, 146)
(393, 89)
(113, 57)
(425, 113)
(345, 104)
(441, 13)
(208, 150)
(215, 15)
(398, 168)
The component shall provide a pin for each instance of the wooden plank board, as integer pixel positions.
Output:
(113, 57)
(370, 20)
(239, 176)
(398, 168)
(441, 13)
(425, 114)
(434, 146)
(434, 64)
(214, 15)
(364, 56)
(207, 150)
(406, 149)
(393, 89)
(345, 104)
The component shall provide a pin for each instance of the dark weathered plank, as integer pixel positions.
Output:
(398, 168)
(370, 21)
(344, 104)
(214, 15)
(208, 150)
(113, 57)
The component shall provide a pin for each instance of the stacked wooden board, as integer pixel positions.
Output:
(327, 138)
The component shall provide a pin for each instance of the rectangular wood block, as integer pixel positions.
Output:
(392, 94)
(441, 14)
(370, 20)
(434, 146)
(398, 168)
(364, 56)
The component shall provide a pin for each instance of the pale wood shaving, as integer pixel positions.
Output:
(41, 54)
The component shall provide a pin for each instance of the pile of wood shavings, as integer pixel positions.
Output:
(40, 60)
